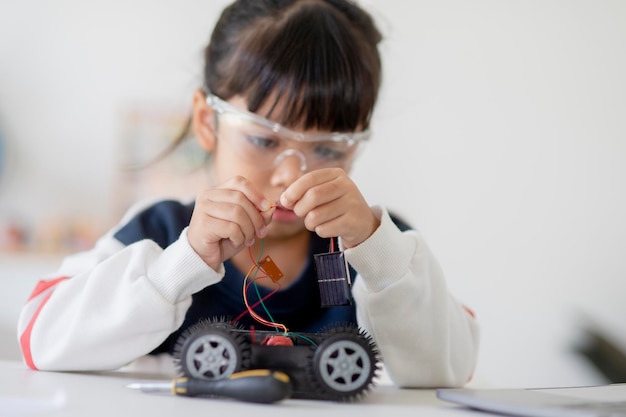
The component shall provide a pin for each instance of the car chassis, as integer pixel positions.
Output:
(338, 364)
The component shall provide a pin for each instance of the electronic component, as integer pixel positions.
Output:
(333, 278)
(270, 268)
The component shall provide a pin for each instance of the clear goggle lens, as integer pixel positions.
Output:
(267, 144)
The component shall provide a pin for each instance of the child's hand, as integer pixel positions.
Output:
(227, 219)
(331, 205)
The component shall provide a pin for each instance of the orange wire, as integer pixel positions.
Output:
(245, 298)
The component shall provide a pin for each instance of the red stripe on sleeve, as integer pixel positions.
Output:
(469, 311)
(44, 285)
(25, 337)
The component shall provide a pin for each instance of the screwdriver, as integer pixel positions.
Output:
(258, 385)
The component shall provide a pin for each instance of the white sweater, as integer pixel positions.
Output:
(118, 302)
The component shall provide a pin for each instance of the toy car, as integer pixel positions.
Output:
(338, 364)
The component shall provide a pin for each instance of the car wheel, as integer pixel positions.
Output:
(344, 364)
(212, 353)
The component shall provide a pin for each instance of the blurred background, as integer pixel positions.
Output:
(500, 134)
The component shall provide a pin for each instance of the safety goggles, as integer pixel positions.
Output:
(266, 143)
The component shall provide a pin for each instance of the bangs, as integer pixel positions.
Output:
(314, 65)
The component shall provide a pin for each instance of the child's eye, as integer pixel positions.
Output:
(263, 143)
(328, 153)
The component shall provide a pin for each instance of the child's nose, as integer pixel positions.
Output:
(288, 167)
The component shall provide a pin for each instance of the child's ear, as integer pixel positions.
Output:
(203, 121)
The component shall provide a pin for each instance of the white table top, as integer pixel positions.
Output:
(24, 392)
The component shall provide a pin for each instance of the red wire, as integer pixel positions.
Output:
(252, 257)
(243, 313)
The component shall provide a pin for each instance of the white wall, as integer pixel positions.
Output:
(500, 134)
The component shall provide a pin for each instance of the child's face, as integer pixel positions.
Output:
(268, 156)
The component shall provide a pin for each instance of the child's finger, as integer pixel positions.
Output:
(221, 207)
(236, 220)
(297, 190)
(241, 184)
(258, 208)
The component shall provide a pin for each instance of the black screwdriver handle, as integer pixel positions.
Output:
(259, 386)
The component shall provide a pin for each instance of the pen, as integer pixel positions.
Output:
(260, 386)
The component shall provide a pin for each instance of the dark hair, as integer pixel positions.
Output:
(317, 57)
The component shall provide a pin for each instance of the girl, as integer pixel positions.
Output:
(288, 95)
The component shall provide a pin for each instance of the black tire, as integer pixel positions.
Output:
(344, 364)
(212, 351)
